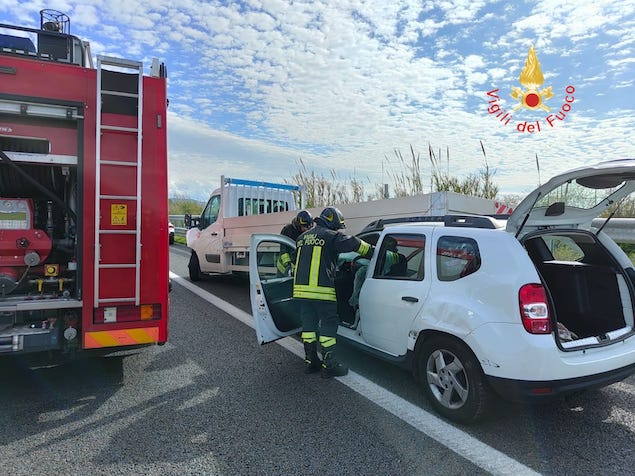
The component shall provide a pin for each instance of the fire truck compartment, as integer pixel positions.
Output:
(83, 194)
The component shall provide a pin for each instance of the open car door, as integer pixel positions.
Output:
(275, 312)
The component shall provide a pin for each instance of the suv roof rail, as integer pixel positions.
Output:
(470, 221)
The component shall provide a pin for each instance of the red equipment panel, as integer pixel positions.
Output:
(17, 237)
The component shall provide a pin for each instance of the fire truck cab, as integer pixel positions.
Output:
(83, 194)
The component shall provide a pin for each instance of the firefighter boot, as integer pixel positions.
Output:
(330, 366)
(312, 362)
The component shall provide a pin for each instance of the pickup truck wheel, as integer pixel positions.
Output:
(194, 267)
(452, 380)
(171, 239)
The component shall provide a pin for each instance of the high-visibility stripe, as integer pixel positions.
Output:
(327, 342)
(314, 296)
(114, 338)
(281, 266)
(363, 249)
(314, 272)
(315, 289)
(314, 292)
(297, 258)
(283, 262)
(309, 337)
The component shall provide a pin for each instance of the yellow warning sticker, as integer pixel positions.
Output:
(118, 214)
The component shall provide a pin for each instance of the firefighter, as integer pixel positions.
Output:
(314, 288)
(300, 223)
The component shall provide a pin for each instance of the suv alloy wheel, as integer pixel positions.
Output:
(452, 379)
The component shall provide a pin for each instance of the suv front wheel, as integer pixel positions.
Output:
(452, 379)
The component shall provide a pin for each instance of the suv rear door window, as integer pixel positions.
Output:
(457, 257)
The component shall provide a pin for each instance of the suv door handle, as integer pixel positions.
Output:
(409, 299)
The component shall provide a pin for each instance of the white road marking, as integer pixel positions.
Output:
(463, 444)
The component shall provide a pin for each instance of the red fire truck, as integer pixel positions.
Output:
(83, 195)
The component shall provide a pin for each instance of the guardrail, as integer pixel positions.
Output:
(622, 230)
(179, 224)
(180, 231)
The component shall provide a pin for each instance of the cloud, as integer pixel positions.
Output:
(199, 155)
(255, 86)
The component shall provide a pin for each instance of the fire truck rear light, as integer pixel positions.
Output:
(147, 312)
(534, 311)
(111, 314)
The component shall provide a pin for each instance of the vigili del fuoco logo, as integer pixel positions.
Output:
(531, 97)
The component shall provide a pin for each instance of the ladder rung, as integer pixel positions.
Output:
(119, 197)
(121, 62)
(107, 300)
(117, 266)
(119, 162)
(117, 232)
(119, 128)
(119, 93)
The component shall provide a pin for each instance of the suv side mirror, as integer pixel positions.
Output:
(187, 221)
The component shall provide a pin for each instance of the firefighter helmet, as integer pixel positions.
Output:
(332, 218)
(303, 219)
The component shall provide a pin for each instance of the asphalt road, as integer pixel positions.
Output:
(212, 401)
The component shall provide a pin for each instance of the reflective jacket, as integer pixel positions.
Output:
(285, 261)
(316, 259)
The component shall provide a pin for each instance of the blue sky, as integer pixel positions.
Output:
(257, 86)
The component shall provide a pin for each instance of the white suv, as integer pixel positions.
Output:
(537, 309)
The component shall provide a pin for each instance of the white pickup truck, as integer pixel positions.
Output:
(539, 308)
(220, 238)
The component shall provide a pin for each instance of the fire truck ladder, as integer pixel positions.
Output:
(100, 231)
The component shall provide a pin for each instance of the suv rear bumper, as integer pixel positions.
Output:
(536, 391)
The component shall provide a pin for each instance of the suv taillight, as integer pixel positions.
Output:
(534, 311)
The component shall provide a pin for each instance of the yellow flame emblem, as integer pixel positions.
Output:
(531, 78)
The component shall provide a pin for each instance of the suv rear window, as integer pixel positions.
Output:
(563, 248)
(580, 194)
(457, 257)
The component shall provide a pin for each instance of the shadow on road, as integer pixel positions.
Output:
(61, 393)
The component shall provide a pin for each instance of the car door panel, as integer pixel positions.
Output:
(273, 307)
(390, 301)
(386, 322)
(207, 237)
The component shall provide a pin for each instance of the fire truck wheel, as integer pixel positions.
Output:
(195, 269)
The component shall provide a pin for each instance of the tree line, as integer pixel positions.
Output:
(407, 175)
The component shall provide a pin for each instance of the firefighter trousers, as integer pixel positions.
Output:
(319, 317)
